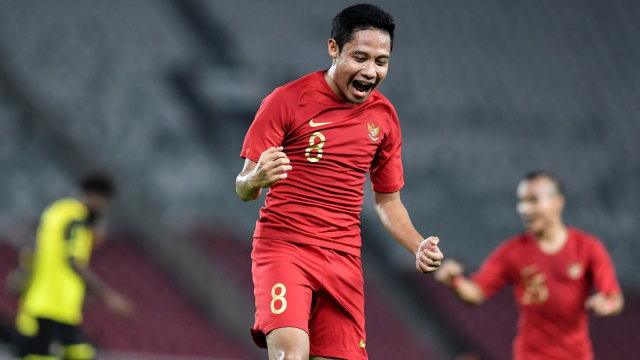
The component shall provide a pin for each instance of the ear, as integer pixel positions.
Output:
(332, 46)
(561, 202)
(558, 204)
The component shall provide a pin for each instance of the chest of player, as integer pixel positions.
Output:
(559, 280)
(335, 140)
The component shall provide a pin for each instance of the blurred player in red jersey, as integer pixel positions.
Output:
(553, 269)
(312, 142)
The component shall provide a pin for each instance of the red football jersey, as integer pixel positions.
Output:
(551, 291)
(331, 145)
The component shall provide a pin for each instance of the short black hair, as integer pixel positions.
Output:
(557, 183)
(99, 183)
(360, 17)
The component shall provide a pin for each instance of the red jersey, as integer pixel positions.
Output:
(331, 146)
(551, 291)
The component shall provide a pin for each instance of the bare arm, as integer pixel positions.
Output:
(116, 302)
(451, 275)
(396, 221)
(605, 305)
(272, 167)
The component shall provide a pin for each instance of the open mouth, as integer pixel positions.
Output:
(362, 88)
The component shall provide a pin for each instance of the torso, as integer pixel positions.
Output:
(331, 147)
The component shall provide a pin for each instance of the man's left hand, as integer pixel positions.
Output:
(428, 256)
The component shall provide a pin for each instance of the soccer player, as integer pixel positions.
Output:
(312, 142)
(51, 306)
(553, 269)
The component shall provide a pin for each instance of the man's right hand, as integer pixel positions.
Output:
(270, 168)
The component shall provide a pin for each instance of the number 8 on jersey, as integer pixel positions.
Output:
(313, 146)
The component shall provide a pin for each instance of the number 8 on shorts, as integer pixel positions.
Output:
(275, 297)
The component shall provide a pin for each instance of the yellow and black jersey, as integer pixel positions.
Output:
(56, 291)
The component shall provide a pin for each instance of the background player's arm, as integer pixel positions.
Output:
(451, 275)
(608, 299)
(116, 302)
(396, 220)
(270, 168)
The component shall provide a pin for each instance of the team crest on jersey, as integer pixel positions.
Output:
(374, 130)
(574, 270)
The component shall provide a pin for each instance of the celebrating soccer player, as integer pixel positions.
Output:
(312, 142)
(553, 269)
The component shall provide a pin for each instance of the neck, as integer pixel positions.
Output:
(552, 238)
(328, 77)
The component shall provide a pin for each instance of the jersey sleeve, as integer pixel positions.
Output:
(493, 275)
(386, 171)
(603, 271)
(78, 240)
(269, 126)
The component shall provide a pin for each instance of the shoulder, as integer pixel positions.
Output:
(66, 208)
(382, 104)
(377, 96)
(514, 243)
(293, 90)
(583, 239)
(506, 255)
(582, 235)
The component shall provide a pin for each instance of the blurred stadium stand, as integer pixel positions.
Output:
(162, 92)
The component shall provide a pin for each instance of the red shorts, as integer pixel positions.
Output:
(318, 290)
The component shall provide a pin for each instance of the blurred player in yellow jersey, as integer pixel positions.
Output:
(51, 306)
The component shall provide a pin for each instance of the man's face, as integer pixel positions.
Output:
(361, 65)
(539, 204)
(97, 204)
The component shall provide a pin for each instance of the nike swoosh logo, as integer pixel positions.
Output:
(362, 345)
(314, 124)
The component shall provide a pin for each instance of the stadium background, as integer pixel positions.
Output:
(161, 94)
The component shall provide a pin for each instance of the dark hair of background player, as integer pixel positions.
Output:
(98, 183)
(557, 183)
